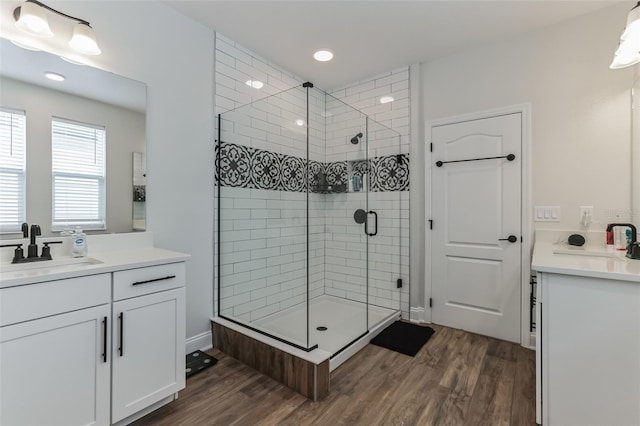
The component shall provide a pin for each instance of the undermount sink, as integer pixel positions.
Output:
(591, 251)
(55, 265)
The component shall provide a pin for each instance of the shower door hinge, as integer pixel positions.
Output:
(430, 302)
(431, 147)
(430, 223)
(399, 283)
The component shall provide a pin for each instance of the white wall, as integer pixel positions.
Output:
(173, 55)
(125, 134)
(580, 108)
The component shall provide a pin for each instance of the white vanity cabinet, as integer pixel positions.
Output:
(54, 352)
(588, 360)
(148, 352)
(101, 345)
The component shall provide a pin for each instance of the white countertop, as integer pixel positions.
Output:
(591, 260)
(139, 253)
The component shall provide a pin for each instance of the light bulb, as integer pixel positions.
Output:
(84, 40)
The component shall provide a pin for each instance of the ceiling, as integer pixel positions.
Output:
(370, 37)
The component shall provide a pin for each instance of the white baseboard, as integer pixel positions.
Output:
(417, 315)
(532, 341)
(200, 342)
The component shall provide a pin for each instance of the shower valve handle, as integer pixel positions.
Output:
(360, 216)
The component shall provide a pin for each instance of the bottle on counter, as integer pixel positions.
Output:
(79, 247)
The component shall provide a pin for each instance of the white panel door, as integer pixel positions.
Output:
(476, 205)
(53, 371)
(148, 351)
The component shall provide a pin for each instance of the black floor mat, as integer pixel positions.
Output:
(403, 337)
(198, 361)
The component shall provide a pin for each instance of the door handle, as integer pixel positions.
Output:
(510, 238)
(121, 348)
(366, 231)
(104, 339)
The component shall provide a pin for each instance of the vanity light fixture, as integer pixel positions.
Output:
(31, 18)
(54, 76)
(323, 55)
(386, 99)
(256, 84)
(628, 52)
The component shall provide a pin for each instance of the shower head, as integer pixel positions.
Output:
(356, 139)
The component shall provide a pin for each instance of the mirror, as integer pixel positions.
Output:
(635, 150)
(139, 191)
(87, 95)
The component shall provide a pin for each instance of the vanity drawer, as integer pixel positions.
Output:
(141, 281)
(28, 302)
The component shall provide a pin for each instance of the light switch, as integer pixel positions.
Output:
(547, 213)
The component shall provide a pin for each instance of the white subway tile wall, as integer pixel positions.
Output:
(263, 233)
(386, 133)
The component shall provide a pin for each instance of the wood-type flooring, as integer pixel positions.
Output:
(457, 378)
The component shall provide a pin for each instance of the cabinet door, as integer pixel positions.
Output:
(55, 370)
(148, 351)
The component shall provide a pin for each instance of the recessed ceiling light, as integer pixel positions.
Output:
(323, 55)
(386, 99)
(300, 122)
(256, 84)
(54, 76)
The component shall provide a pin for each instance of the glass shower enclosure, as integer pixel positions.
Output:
(311, 204)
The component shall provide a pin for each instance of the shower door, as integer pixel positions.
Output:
(388, 243)
(348, 221)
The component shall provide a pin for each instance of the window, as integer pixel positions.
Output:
(78, 165)
(12, 169)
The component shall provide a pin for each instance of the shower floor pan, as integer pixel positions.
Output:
(305, 372)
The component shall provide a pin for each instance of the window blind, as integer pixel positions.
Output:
(78, 166)
(12, 169)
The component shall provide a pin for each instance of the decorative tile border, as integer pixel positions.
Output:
(245, 167)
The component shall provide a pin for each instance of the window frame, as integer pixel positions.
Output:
(21, 175)
(85, 223)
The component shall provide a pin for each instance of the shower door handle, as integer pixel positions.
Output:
(366, 230)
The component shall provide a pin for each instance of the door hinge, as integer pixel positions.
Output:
(430, 302)
(399, 283)
(430, 223)
(431, 147)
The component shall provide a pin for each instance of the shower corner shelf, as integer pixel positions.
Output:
(357, 173)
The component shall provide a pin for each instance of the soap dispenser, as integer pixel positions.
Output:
(79, 246)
